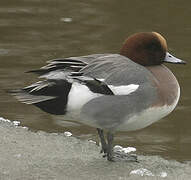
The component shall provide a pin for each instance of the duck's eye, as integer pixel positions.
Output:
(169, 56)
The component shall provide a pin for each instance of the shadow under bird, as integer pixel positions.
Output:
(111, 92)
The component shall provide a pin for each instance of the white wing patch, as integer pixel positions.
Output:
(79, 95)
(123, 90)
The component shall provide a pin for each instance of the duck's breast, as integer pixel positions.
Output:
(168, 93)
(166, 84)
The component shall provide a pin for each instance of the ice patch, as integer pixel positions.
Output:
(17, 155)
(124, 150)
(163, 174)
(142, 172)
(67, 133)
(4, 120)
(16, 123)
(146, 172)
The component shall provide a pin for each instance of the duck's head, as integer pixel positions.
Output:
(147, 49)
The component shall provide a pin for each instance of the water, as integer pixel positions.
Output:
(34, 31)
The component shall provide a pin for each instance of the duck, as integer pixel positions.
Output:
(110, 92)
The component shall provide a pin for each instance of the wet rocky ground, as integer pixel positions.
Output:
(39, 155)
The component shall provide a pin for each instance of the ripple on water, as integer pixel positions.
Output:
(4, 51)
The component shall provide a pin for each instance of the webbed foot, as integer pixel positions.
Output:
(121, 156)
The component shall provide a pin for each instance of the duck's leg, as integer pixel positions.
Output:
(117, 156)
(107, 149)
(110, 147)
(103, 143)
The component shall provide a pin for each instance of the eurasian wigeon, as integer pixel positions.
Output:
(111, 92)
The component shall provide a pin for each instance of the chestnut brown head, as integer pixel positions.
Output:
(147, 49)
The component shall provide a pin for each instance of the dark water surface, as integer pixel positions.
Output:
(34, 31)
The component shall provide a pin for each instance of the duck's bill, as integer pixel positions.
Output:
(171, 59)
